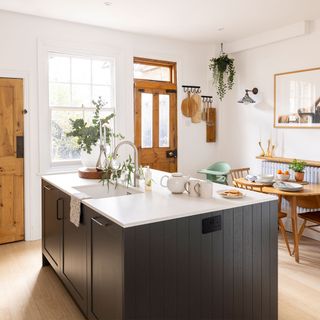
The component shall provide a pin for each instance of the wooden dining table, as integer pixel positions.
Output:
(308, 198)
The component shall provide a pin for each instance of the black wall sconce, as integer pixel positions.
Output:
(247, 99)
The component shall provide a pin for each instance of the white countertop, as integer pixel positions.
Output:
(153, 206)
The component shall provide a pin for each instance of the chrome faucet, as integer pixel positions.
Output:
(135, 159)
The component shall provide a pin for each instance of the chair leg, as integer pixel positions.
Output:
(284, 234)
(302, 229)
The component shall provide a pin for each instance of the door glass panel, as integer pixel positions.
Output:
(146, 120)
(151, 72)
(164, 120)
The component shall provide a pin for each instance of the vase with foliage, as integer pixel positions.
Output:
(113, 171)
(223, 72)
(88, 134)
(298, 167)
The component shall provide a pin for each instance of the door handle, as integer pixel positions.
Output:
(172, 153)
(60, 204)
(101, 224)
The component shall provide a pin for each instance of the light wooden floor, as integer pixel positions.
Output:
(29, 292)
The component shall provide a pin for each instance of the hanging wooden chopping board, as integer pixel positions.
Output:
(189, 106)
(196, 108)
(186, 106)
(211, 124)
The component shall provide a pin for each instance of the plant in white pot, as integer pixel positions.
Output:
(88, 135)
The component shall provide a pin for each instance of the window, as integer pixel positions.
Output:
(155, 70)
(74, 81)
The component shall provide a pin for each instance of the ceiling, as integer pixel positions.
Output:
(193, 20)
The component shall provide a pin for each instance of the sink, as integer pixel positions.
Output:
(102, 191)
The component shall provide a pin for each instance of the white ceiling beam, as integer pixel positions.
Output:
(262, 39)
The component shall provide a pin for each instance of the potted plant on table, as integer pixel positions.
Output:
(298, 167)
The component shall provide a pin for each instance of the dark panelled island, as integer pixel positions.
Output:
(218, 265)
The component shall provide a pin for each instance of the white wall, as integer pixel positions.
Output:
(20, 35)
(243, 125)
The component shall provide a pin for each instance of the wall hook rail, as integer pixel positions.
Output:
(191, 89)
(207, 99)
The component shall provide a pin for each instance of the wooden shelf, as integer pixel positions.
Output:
(310, 163)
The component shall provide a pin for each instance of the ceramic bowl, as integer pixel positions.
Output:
(283, 177)
(266, 177)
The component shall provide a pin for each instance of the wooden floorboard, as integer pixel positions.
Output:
(31, 292)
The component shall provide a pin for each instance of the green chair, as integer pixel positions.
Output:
(217, 172)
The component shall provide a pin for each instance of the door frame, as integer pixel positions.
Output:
(25, 76)
(155, 84)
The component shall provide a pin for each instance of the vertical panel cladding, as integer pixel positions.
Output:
(175, 271)
(217, 271)
(182, 268)
(206, 273)
(228, 256)
(238, 263)
(142, 272)
(265, 261)
(156, 272)
(171, 268)
(129, 274)
(247, 263)
(194, 290)
(256, 262)
(273, 225)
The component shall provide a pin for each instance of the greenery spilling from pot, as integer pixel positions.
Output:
(87, 136)
(297, 166)
(223, 72)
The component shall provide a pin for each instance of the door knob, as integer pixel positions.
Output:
(171, 153)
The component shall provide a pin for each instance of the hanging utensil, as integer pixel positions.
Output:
(204, 111)
(211, 123)
(196, 108)
(185, 105)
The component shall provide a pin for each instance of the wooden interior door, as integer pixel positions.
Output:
(156, 124)
(11, 160)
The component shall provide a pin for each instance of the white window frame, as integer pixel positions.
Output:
(45, 48)
(82, 109)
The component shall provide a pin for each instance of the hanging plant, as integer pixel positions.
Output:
(223, 73)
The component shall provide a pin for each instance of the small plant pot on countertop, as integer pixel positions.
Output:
(299, 176)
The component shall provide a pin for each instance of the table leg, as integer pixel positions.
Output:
(294, 218)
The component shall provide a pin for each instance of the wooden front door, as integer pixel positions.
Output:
(11, 160)
(156, 124)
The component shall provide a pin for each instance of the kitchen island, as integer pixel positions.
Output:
(156, 255)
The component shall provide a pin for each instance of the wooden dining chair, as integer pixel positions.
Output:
(239, 173)
(311, 216)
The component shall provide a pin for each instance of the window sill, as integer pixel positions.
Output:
(60, 170)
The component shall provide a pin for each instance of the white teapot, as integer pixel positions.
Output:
(175, 183)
